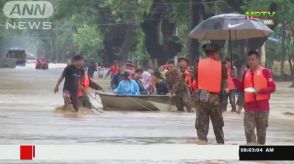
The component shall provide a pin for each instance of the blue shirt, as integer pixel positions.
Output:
(127, 87)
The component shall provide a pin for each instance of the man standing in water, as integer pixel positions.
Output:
(92, 68)
(118, 77)
(257, 84)
(185, 71)
(114, 69)
(211, 76)
(178, 87)
(73, 75)
(230, 92)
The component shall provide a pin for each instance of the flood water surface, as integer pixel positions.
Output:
(27, 116)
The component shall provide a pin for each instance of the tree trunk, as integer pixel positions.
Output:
(236, 5)
(291, 66)
(283, 50)
(124, 49)
(115, 43)
(58, 58)
(197, 12)
(292, 69)
(156, 18)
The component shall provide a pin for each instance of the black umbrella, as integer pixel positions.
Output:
(229, 27)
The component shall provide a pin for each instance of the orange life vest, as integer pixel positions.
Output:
(257, 81)
(188, 79)
(85, 84)
(209, 75)
(193, 86)
(231, 84)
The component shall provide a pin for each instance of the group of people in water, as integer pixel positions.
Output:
(178, 82)
(41, 64)
(128, 80)
(206, 86)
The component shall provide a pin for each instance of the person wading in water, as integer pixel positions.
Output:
(73, 74)
(211, 77)
(257, 84)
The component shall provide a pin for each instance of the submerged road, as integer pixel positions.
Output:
(27, 116)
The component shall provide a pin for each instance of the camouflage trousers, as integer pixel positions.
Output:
(260, 121)
(183, 100)
(203, 113)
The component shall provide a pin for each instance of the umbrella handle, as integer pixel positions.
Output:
(230, 49)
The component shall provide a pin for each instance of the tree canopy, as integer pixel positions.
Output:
(141, 30)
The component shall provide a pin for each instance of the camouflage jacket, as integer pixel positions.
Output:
(175, 82)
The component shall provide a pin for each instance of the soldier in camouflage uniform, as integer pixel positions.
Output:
(208, 103)
(178, 87)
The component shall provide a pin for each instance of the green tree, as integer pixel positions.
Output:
(125, 18)
(88, 40)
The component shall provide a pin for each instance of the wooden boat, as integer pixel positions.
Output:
(112, 102)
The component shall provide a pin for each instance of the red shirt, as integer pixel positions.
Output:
(114, 69)
(262, 105)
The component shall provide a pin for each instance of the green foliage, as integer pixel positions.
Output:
(284, 14)
(2, 18)
(126, 10)
(69, 21)
(88, 40)
(83, 25)
(140, 52)
(272, 53)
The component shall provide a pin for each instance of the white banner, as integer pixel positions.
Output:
(120, 152)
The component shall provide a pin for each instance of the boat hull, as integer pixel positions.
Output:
(113, 102)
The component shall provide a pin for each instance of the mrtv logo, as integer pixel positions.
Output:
(28, 15)
(264, 16)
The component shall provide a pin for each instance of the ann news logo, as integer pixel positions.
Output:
(28, 15)
(264, 16)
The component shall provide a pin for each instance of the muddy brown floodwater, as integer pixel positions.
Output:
(27, 116)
